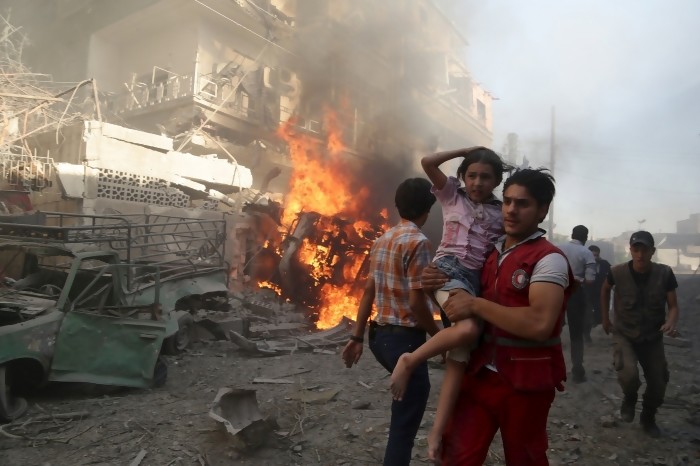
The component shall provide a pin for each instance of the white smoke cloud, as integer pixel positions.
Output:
(624, 77)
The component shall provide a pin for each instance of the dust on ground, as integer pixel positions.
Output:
(345, 420)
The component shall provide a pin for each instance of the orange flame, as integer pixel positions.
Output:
(336, 304)
(274, 287)
(321, 182)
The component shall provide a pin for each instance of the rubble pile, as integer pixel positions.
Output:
(260, 324)
(29, 106)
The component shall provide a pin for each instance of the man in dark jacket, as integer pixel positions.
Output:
(643, 290)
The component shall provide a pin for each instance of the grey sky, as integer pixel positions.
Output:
(624, 77)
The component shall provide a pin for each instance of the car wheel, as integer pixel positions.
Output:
(179, 342)
(160, 373)
(11, 407)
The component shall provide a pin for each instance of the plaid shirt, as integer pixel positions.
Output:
(397, 259)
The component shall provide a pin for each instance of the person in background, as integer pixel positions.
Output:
(582, 265)
(397, 259)
(643, 291)
(602, 269)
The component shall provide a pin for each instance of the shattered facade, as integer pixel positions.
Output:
(233, 70)
(189, 98)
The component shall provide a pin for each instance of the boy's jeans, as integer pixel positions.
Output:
(387, 343)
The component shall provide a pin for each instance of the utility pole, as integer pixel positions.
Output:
(512, 148)
(552, 159)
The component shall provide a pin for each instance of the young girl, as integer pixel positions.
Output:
(472, 223)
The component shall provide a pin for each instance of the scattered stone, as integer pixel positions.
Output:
(297, 448)
(361, 404)
(573, 456)
(659, 461)
(315, 397)
(677, 341)
(692, 389)
(608, 421)
(613, 457)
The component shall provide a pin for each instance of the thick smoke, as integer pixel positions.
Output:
(379, 53)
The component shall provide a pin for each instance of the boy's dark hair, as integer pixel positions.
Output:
(538, 182)
(580, 232)
(413, 198)
(594, 248)
(488, 157)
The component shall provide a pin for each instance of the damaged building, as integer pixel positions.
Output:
(196, 107)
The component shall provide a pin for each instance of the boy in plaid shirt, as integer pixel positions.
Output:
(403, 315)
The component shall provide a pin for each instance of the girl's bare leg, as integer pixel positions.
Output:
(463, 333)
(449, 391)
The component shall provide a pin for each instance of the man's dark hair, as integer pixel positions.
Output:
(413, 198)
(580, 233)
(538, 182)
(594, 248)
(488, 157)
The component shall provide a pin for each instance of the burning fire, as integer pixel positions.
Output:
(322, 182)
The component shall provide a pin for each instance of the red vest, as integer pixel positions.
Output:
(528, 365)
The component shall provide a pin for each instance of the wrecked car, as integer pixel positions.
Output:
(97, 299)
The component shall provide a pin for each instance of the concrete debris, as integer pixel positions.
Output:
(237, 411)
(210, 329)
(277, 381)
(677, 341)
(361, 404)
(251, 346)
(139, 458)
(608, 421)
(315, 397)
(266, 309)
(276, 330)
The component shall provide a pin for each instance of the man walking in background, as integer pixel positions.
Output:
(582, 265)
(602, 269)
(643, 289)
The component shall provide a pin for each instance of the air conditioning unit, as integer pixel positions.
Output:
(284, 81)
(268, 77)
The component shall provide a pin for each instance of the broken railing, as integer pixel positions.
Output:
(178, 245)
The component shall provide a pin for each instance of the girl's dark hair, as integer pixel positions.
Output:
(538, 182)
(413, 198)
(486, 156)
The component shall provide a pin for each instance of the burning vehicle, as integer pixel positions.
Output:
(321, 258)
(96, 299)
(315, 250)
